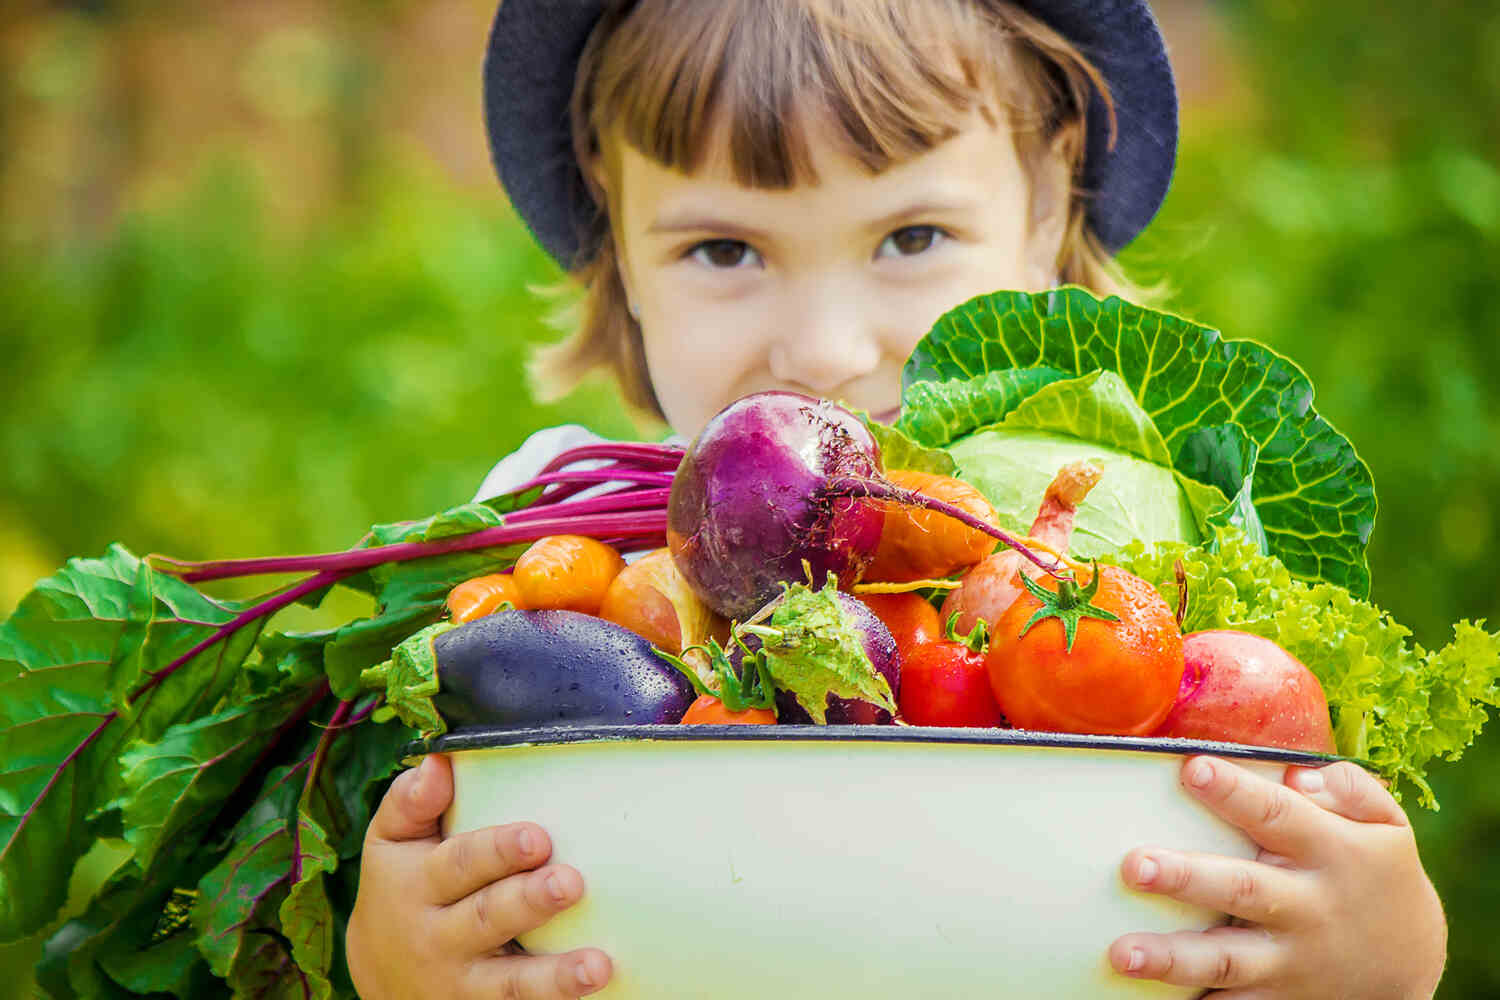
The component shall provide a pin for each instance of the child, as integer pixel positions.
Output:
(787, 193)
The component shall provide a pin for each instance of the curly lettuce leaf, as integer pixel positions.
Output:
(1395, 705)
(1312, 493)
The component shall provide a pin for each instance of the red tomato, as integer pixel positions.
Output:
(912, 620)
(1118, 678)
(710, 711)
(946, 683)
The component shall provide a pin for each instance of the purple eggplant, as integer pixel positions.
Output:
(540, 668)
(880, 647)
(775, 643)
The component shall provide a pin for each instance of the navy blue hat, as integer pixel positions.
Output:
(533, 55)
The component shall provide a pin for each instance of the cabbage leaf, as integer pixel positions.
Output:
(1219, 406)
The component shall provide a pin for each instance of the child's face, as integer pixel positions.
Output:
(821, 288)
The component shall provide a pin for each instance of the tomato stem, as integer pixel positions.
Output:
(1068, 604)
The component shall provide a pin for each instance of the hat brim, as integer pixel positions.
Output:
(531, 64)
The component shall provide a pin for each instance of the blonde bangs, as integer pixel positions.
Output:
(678, 80)
(896, 78)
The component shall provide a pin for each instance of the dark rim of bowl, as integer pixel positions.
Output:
(494, 737)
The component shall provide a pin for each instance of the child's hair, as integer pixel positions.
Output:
(897, 77)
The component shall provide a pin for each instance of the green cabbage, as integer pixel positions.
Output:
(1227, 415)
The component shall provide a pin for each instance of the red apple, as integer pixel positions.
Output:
(1241, 688)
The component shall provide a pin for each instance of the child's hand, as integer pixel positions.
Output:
(434, 917)
(1336, 904)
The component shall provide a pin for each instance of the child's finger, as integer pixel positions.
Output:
(540, 977)
(1222, 958)
(1259, 893)
(484, 921)
(467, 862)
(1349, 790)
(414, 803)
(1271, 814)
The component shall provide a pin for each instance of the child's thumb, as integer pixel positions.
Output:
(1349, 790)
(415, 801)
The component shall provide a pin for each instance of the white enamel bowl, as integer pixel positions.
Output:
(883, 863)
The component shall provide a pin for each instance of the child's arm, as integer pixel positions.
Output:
(434, 917)
(1336, 905)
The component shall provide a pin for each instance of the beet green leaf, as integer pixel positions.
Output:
(83, 661)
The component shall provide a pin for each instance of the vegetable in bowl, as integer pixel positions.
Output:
(236, 762)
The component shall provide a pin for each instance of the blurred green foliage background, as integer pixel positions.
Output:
(261, 291)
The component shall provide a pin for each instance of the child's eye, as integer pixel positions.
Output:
(724, 254)
(908, 241)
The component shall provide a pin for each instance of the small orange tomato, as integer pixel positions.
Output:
(710, 711)
(920, 544)
(567, 573)
(483, 595)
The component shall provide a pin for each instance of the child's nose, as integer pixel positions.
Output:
(826, 340)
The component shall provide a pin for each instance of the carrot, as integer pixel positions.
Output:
(920, 544)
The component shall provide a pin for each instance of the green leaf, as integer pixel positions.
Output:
(1096, 407)
(1224, 457)
(1394, 704)
(897, 451)
(812, 650)
(409, 680)
(176, 786)
(365, 642)
(353, 777)
(1313, 494)
(265, 970)
(75, 647)
(132, 939)
(244, 899)
(306, 916)
(1134, 499)
(1096, 417)
(283, 661)
(937, 411)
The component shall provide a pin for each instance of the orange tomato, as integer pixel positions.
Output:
(1118, 678)
(567, 573)
(482, 595)
(710, 711)
(920, 544)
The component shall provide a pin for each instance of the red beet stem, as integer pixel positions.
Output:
(611, 474)
(642, 498)
(620, 524)
(659, 456)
